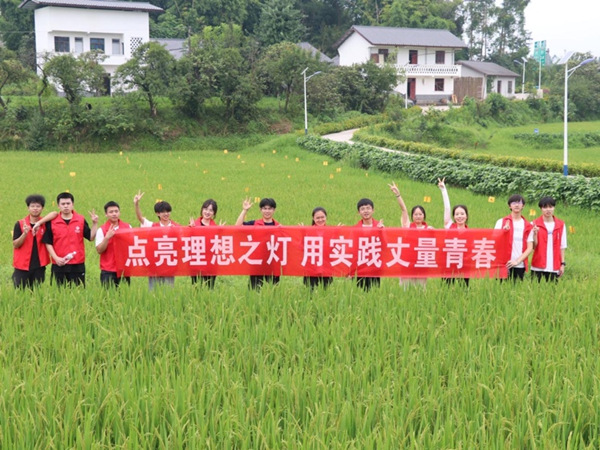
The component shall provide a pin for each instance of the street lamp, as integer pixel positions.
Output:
(522, 64)
(568, 72)
(305, 108)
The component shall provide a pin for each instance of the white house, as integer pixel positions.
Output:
(424, 56)
(114, 27)
(479, 76)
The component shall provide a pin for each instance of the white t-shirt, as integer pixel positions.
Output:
(147, 224)
(517, 243)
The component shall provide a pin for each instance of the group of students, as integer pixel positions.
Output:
(58, 238)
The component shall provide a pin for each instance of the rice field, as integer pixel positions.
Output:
(493, 366)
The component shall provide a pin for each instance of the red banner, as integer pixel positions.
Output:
(311, 251)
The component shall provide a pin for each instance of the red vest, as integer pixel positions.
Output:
(69, 238)
(262, 222)
(453, 225)
(172, 224)
(198, 223)
(539, 254)
(22, 255)
(414, 225)
(360, 223)
(107, 258)
(511, 230)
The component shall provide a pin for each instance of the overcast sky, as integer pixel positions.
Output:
(565, 25)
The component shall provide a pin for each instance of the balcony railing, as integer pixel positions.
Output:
(430, 70)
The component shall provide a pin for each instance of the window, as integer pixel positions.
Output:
(116, 47)
(383, 54)
(440, 57)
(61, 44)
(413, 56)
(78, 45)
(499, 90)
(439, 85)
(97, 44)
(510, 87)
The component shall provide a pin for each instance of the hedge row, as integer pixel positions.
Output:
(484, 179)
(536, 164)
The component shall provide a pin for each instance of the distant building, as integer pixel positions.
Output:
(478, 76)
(113, 27)
(424, 56)
(315, 52)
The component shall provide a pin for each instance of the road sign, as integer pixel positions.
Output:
(539, 52)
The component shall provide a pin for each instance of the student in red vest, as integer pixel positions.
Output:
(207, 219)
(418, 216)
(64, 240)
(520, 237)
(105, 245)
(549, 243)
(30, 256)
(163, 212)
(457, 220)
(267, 210)
(319, 219)
(366, 209)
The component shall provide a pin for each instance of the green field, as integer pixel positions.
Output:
(501, 141)
(494, 366)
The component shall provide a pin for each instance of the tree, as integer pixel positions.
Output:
(148, 71)
(75, 76)
(416, 14)
(11, 71)
(280, 21)
(510, 35)
(281, 67)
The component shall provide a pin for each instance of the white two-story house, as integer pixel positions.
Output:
(114, 27)
(425, 57)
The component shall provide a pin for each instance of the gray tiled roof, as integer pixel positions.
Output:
(418, 37)
(314, 51)
(92, 4)
(488, 68)
(176, 47)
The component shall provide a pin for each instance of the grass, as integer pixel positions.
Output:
(494, 366)
(500, 141)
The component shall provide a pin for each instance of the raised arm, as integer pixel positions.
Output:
(94, 229)
(246, 205)
(446, 199)
(404, 220)
(47, 218)
(136, 202)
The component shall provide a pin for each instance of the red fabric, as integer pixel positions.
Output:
(261, 222)
(414, 225)
(198, 223)
(311, 251)
(360, 224)
(454, 226)
(22, 255)
(107, 258)
(539, 254)
(173, 224)
(526, 230)
(68, 238)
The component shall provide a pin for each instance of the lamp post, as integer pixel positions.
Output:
(568, 72)
(306, 78)
(522, 64)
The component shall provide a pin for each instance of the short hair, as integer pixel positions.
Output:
(463, 207)
(267, 202)
(516, 198)
(365, 202)
(35, 198)
(110, 205)
(160, 207)
(412, 211)
(316, 210)
(546, 201)
(64, 195)
(210, 202)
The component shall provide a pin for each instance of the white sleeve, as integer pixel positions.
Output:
(563, 241)
(99, 237)
(498, 225)
(146, 223)
(446, 199)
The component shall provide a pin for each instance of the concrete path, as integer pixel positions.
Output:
(342, 136)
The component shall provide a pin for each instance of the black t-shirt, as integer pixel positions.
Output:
(34, 260)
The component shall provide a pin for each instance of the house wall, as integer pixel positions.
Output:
(354, 50)
(504, 91)
(131, 28)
